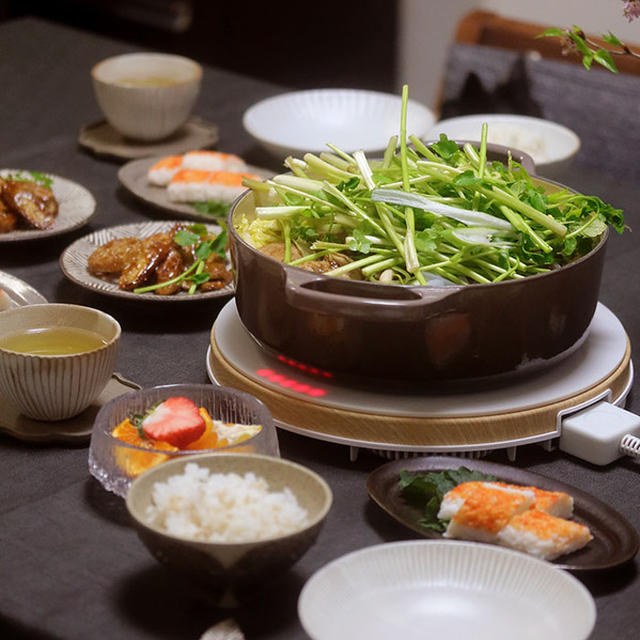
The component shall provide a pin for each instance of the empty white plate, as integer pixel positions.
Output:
(418, 589)
(551, 145)
(351, 119)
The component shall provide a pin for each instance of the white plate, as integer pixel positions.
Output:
(75, 206)
(19, 292)
(551, 145)
(73, 263)
(133, 177)
(305, 121)
(427, 589)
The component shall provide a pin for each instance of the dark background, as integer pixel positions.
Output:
(300, 44)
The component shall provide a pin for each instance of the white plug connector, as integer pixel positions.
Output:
(601, 433)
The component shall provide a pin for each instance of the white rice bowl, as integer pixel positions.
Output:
(223, 507)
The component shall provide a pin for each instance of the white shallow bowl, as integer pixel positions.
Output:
(418, 589)
(551, 145)
(305, 121)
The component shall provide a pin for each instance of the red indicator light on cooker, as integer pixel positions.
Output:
(288, 383)
(304, 367)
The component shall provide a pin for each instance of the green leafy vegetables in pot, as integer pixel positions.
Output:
(425, 491)
(439, 215)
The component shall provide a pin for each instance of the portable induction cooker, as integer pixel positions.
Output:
(572, 400)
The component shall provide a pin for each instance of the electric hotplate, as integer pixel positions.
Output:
(410, 419)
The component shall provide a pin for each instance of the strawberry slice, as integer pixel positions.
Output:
(176, 421)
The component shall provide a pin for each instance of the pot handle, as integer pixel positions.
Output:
(299, 293)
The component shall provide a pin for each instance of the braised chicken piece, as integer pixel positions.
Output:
(153, 261)
(114, 256)
(275, 250)
(30, 200)
(172, 266)
(219, 275)
(152, 253)
(327, 263)
(8, 220)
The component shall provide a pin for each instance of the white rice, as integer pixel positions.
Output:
(161, 176)
(221, 507)
(203, 192)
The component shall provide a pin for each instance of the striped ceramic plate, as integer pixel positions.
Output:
(73, 262)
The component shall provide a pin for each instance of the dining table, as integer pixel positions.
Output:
(71, 564)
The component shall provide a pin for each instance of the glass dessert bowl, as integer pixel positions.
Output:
(142, 429)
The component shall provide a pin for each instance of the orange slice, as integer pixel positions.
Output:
(209, 439)
(136, 462)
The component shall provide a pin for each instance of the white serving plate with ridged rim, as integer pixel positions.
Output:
(74, 260)
(76, 205)
(418, 589)
(352, 119)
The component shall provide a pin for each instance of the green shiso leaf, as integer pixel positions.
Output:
(424, 491)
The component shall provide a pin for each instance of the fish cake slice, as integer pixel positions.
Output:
(486, 511)
(555, 503)
(543, 535)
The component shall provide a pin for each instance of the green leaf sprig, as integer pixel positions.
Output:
(212, 208)
(425, 491)
(589, 50)
(31, 176)
(198, 235)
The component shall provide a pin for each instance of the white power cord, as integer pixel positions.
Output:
(630, 446)
(601, 433)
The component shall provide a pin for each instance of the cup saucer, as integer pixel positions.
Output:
(75, 429)
(103, 140)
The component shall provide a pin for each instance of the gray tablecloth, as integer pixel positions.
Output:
(70, 564)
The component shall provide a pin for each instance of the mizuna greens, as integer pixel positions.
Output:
(437, 215)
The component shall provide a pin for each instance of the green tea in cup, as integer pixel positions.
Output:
(53, 341)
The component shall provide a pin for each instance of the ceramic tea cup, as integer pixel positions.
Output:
(55, 359)
(146, 96)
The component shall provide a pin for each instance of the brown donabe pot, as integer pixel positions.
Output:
(426, 334)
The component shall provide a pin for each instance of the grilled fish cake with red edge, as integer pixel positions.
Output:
(486, 511)
(542, 535)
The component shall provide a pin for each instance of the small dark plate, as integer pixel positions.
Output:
(615, 540)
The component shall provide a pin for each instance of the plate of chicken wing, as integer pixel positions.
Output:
(37, 205)
(154, 261)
